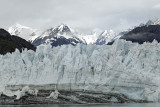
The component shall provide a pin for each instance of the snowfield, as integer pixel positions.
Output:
(124, 67)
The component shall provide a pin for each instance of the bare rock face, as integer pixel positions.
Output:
(8, 43)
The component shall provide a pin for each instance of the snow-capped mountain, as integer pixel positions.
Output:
(106, 37)
(149, 22)
(21, 31)
(57, 36)
(153, 22)
(100, 38)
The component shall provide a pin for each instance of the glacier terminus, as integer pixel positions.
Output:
(122, 69)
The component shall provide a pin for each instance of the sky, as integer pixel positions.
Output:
(84, 15)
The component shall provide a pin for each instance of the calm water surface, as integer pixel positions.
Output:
(92, 105)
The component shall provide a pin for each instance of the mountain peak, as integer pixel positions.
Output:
(21, 31)
(153, 22)
(63, 28)
(157, 21)
(106, 37)
(107, 33)
(18, 26)
(21, 26)
(150, 22)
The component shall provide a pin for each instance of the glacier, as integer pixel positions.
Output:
(124, 68)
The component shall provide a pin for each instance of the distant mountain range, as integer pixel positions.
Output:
(63, 34)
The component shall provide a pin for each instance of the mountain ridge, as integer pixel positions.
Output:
(63, 34)
(63, 31)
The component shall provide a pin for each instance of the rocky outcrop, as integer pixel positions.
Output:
(8, 43)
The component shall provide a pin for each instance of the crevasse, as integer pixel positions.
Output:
(125, 67)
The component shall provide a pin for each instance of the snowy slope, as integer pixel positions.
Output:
(124, 67)
(106, 37)
(90, 38)
(100, 38)
(21, 31)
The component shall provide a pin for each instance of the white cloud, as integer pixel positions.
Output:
(157, 6)
(83, 14)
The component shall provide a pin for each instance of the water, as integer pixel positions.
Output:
(92, 105)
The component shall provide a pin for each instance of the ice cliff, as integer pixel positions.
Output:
(124, 67)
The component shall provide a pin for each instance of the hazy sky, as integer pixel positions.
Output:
(79, 14)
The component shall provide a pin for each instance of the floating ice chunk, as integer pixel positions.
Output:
(17, 93)
(54, 94)
(35, 92)
(5, 91)
(113, 99)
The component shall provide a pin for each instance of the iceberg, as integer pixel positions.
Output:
(123, 68)
(54, 95)
(18, 93)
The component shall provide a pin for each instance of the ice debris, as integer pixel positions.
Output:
(25, 90)
(54, 94)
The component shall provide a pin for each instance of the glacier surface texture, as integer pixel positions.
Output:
(126, 68)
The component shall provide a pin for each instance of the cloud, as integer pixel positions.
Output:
(157, 6)
(81, 14)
